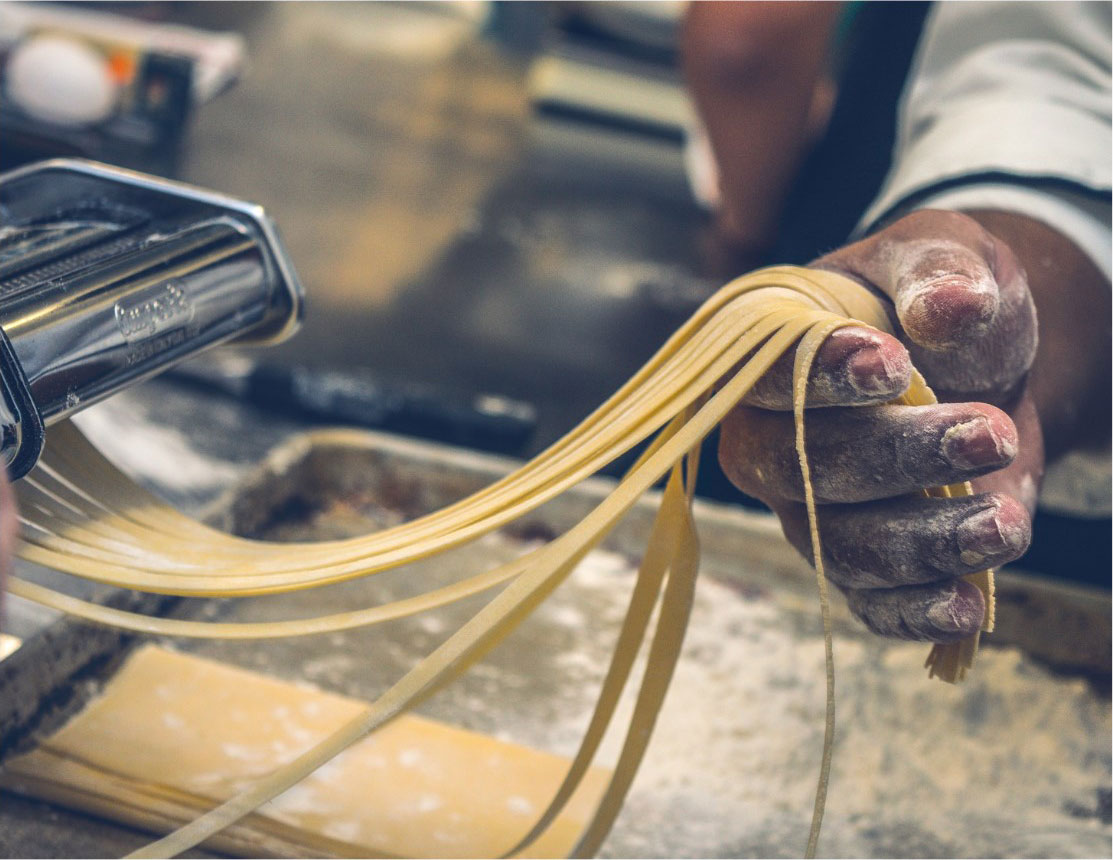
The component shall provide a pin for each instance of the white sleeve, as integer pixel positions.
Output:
(1008, 107)
(1083, 218)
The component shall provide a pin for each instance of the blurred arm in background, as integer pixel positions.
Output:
(759, 76)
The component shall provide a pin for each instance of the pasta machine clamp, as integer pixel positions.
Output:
(108, 277)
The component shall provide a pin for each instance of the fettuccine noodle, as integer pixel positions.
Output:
(84, 517)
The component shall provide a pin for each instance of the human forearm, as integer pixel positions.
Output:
(755, 72)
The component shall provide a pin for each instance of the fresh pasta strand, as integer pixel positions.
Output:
(802, 363)
(84, 517)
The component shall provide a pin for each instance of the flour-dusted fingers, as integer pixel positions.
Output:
(961, 297)
(862, 454)
(856, 366)
(912, 540)
(937, 612)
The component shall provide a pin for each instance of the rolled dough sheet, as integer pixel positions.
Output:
(174, 734)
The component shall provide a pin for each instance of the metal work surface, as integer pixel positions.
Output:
(1015, 762)
(922, 769)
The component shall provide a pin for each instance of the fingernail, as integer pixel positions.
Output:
(958, 614)
(871, 372)
(973, 444)
(984, 536)
(953, 302)
(980, 537)
(943, 311)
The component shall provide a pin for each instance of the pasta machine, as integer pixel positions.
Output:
(108, 277)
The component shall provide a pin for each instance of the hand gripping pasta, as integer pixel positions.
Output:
(84, 517)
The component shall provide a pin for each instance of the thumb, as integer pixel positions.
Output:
(944, 292)
(960, 297)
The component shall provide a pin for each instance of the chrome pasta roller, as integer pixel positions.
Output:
(108, 277)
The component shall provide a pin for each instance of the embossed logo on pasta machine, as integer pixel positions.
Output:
(160, 309)
(109, 277)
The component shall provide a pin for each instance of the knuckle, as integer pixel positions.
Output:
(739, 468)
(757, 453)
(945, 223)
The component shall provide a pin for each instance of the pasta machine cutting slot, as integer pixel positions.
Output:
(108, 277)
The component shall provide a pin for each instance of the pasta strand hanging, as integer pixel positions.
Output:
(83, 516)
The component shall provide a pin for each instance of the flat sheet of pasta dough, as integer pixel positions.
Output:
(173, 734)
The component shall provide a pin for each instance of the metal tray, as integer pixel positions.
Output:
(1015, 762)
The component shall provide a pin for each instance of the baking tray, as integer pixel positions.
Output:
(1014, 762)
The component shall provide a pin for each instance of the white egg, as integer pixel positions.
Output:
(60, 80)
